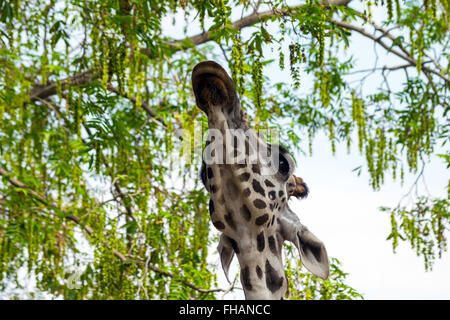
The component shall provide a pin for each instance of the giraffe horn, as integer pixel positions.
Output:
(226, 253)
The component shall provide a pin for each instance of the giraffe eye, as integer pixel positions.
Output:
(283, 165)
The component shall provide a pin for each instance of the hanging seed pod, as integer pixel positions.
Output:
(202, 13)
(394, 171)
(381, 151)
(237, 64)
(294, 60)
(325, 84)
(402, 174)
(420, 48)
(105, 62)
(112, 68)
(398, 10)
(139, 85)
(69, 99)
(370, 161)
(321, 48)
(59, 198)
(98, 156)
(347, 127)
(310, 140)
(331, 135)
(58, 89)
(358, 116)
(411, 39)
(281, 60)
(321, 39)
(298, 52)
(29, 238)
(433, 8)
(94, 45)
(2, 112)
(131, 70)
(120, 67)
(257, 78)
(76, 116)
(44, 67)
(390, 9)
(291, 55)
(140, 80)
(2, 256)
(369, 10)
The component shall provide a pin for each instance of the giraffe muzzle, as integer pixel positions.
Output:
(213, 87)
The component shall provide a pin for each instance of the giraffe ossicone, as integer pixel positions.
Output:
(250, 182)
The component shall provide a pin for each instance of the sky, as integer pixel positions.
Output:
(355, 231)
(342, 209)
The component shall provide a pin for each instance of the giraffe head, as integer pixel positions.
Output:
(250, 182)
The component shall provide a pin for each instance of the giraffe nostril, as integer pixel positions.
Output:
(211, 91)
(212, 86)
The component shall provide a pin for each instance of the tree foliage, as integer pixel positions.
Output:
(93, 92)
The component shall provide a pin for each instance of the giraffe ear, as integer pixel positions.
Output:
(312, 252)
(212, 86)
(226, 253)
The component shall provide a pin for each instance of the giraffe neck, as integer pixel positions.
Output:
(244, 206)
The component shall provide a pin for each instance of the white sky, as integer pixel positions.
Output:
(342, 210)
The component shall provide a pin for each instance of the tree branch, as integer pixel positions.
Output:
(42, 199)
(405, 55)
(144, 104)
(39, 92)
(171, 275)
(43, 92)
(247, 21)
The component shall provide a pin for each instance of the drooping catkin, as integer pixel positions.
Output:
(237, 64)
(98, 156)
(257, 78)
(390, 9)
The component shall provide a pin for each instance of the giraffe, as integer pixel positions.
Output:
(249, 182)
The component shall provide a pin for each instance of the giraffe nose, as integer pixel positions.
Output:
(213, 87)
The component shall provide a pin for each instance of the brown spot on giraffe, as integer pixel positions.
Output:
(258, 188)
(262, 219)
(260, 241)
(274, 281)
(272, 245)
(260, 204)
